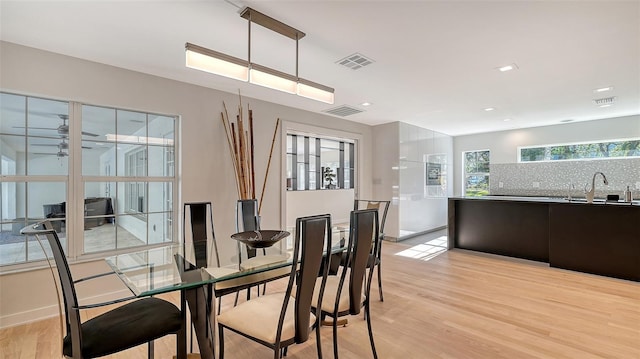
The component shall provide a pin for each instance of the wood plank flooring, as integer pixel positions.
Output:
(459, 304)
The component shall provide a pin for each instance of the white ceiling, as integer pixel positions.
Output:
(435, 61)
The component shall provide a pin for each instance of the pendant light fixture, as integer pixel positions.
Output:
(204, 59)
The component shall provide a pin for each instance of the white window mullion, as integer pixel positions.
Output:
(75, 184)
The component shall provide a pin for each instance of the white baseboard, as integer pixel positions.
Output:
(34, 315)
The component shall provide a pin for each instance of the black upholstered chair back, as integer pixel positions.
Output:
(131, 324)
(72, 313)
(194, 219)
(363, 239)
(381, 206)
(247, 215)
(312, 237)
(247, 219)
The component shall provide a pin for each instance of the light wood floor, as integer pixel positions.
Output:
(459, 304)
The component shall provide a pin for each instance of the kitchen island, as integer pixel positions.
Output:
(601, 238)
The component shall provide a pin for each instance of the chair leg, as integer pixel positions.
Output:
(380, 280)
(373, 345)
(150, 351)
(335, 337)
(318, 344)
(220, 342)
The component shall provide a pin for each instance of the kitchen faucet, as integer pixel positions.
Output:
(590, 193)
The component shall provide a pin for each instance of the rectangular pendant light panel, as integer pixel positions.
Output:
(262, 78)
(315, 93)
(204, 59)
(215, 65)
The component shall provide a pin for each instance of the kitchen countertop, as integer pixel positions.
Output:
(597, 201)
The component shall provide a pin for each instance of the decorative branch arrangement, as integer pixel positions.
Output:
(241, 147)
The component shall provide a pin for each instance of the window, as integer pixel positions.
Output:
(319, 163)
(121, 195)
(136, 163)
(476, 173)
(586, 150)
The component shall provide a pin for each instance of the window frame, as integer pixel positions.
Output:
(567, 144)
(315, 141)
(466, 174)
(74, 181)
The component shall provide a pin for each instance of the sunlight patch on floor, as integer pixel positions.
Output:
(427, 250)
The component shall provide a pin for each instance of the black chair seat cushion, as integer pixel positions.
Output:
(127, 326)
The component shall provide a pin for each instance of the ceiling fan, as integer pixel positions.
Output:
(63, 129)
(63, 145)
(58, 154)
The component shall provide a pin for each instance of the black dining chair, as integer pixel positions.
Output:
(279, 320)
(134, 323)
(247, 219)
(375, 261)
(344, 293)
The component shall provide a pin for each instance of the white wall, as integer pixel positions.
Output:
(401, 152)
(386, 182)
(336, 202)
(206, 169)
(423, 206)
(504, 144)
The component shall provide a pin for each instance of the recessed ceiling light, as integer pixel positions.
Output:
(507, 68)
(489, 109)
(366, 104)
(603, 89)
(506, 120)
(606, 105)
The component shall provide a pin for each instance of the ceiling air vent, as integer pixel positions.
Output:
(343, 111)
(355, 61)
(604, 101)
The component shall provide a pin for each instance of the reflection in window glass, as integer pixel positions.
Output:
(131, 231)
(113, 209)
(139, 145)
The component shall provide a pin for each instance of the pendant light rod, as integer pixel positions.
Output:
(271, 23)
(249, 42)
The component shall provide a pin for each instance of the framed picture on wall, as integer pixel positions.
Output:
(434, 174)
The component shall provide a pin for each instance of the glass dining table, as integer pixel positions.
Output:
(173, 268)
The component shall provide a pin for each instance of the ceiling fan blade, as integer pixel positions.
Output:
(58, 154)
(89, 134)
(37, 128)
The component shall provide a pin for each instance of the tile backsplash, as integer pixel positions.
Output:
(554, 179)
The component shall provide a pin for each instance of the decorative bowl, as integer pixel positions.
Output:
(260, 238)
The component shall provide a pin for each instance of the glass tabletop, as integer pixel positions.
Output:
(170, 268)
